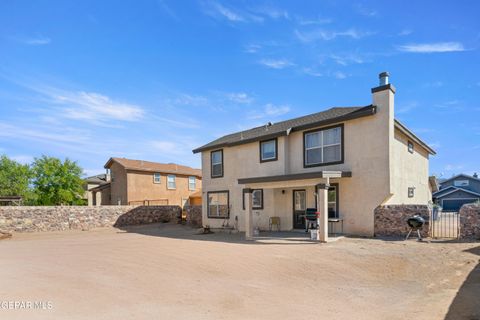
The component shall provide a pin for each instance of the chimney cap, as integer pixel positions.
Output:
(384, 74)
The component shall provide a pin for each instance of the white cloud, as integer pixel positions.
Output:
(347, 59)
(95, 107)
(339, 75)
(219, 11)
(318, 21)
(272, 12)
(239, 97)
(312, 72)
(321, 34)
(406, 108)
(434, 84)
(432, 47)
(252, 48)
(270, 110)
(405, 32)
(39, 40)
(451, 167)
(276, 63)
(366, 11)
(227, 13)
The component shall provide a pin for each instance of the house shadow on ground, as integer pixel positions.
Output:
(466, 304)
(178, 231)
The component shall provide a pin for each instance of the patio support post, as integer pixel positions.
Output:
(248, 214)
(322, 205)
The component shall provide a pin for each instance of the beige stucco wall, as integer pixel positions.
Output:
(410, 170)
(118, 185)
(142, 187)
(370, 153)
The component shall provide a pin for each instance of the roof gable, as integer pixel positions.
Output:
(466, 176)
(148, 166)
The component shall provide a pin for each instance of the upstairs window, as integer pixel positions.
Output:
(410, 146)
(191, 183)
(323, 147)
(216, 158)
(171, 183)
(461, 183)
(157, 178)
(268, 150)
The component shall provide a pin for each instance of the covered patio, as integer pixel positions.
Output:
(320, 181)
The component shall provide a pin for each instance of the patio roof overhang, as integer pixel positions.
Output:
(293, 180)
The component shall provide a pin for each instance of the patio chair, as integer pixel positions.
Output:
(274, 221)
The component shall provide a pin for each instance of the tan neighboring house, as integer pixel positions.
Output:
(138, 182)
(344, 161)
(97, 188)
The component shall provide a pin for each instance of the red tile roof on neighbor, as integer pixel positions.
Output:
(141, 165)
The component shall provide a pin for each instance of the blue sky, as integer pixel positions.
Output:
(154, 79)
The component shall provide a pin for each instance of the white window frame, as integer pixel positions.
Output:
(321, 147)
(155, 180)
(190, 183)
(174, 182)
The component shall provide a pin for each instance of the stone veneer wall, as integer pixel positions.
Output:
(391, 220)
(470, 221)
(31, 219)
(194, 215)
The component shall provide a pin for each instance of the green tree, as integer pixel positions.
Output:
(14, 178)
(56, 182)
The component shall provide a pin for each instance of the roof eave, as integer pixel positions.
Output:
(411, 135)
(363, 112)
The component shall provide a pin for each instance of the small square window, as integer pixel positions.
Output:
(268, 150)
(410, 146)
(171, 183)
(411, 192)
(157, 178)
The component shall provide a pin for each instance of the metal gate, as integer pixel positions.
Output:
(445, 224)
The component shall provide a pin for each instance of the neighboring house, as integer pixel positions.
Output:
(345, 161)
(457, 191)
(91, 185)
(144, 182)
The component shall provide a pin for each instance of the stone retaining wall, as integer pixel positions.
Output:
(31, 219)
(470, 221)
(391, 220)
(194, 215)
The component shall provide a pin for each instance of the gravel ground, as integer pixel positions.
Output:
(169, 272)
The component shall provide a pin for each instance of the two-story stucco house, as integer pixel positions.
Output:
(139, 182)
(343, 161)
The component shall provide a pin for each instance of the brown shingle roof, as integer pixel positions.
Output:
(141, 165)
(331, 115)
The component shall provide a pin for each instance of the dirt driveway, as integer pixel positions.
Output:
(168, 272)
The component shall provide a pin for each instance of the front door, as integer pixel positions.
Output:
(299, 206)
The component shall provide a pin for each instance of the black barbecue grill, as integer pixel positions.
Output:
(416, 224)
(310, 219)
